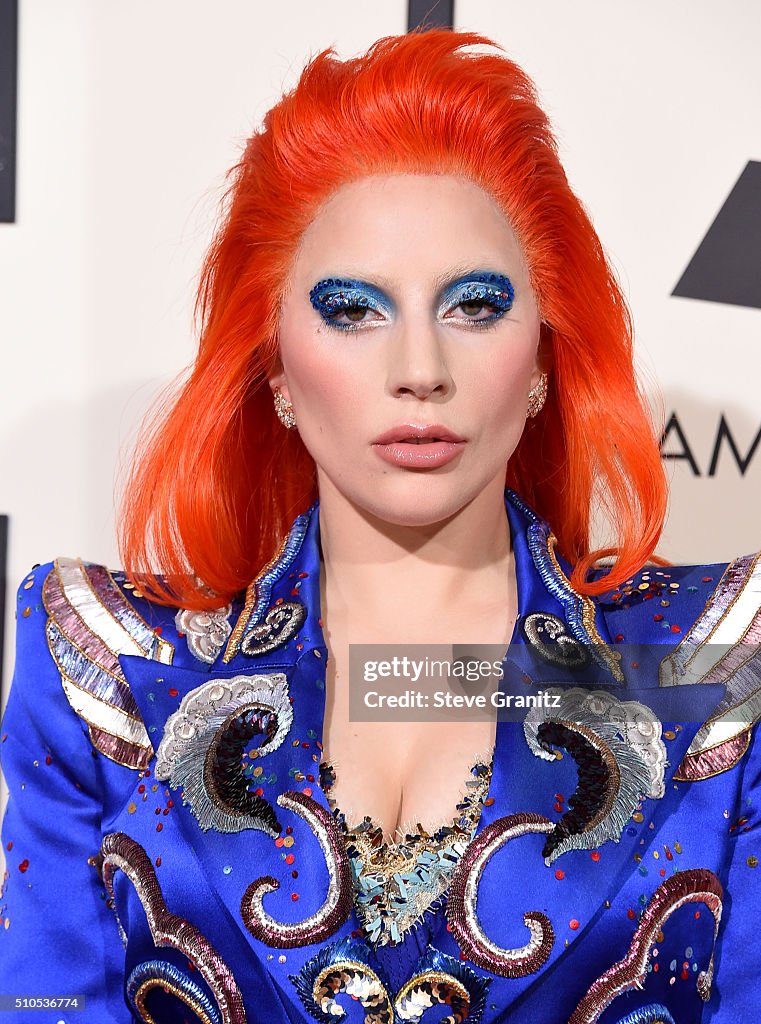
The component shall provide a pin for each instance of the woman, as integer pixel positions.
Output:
(405, 309)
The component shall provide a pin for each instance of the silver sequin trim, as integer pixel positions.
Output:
(625, 733)
(189, 742)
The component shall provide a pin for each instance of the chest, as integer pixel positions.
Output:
(403, 775)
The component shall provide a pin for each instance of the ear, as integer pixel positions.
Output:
(544, 354)
(278, 380)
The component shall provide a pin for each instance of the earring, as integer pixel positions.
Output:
(537, 396)
(284, 409)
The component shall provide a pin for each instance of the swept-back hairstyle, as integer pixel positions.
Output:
(216, 479)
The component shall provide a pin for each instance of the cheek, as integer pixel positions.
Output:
(502, 384)
(326, 384)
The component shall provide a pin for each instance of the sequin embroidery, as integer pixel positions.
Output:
(158, 974)
(723, 647)
(620, 756)
(652, 1014)
(463, 900)
(90, 623)
(548, 636)
(260, 589)
(281, 623)
(119, 852)
(203, 742)
(697, 885)
(337, 904)
(579, 610)
(206, 632)
(395, 883)
(343, 968)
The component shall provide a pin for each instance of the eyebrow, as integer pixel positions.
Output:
(440, 282)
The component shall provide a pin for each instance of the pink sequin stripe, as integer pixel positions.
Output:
(120, 852)
(707, 763)
(120, 608)
(697, 885)
(735, 577)
(338, 902)
(122, 751)
(463, 897)
(69, 622)
(80, 636)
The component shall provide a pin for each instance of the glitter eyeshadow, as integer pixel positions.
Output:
(493, 290)
(334, 295)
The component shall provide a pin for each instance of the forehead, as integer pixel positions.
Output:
(409, 221)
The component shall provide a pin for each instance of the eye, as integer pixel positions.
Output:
(473, 308)
(482, 300)
(353, 314)
(348, 305)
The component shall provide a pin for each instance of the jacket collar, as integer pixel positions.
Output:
(291, 583)
(279, 626)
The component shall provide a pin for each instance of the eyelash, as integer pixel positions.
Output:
(502, 294)
(331, 305)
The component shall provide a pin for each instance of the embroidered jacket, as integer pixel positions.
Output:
(172, 855)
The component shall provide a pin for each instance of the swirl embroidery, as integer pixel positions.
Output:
(338, 901)
(203, 742)
(697, 885)
(620, 756)
(119, 852)
(344, 968)
(463, 898)
(205, 632)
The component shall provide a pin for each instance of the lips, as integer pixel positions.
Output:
(413, 446)
(410, 433)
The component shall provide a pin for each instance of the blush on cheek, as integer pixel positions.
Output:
(331, 405)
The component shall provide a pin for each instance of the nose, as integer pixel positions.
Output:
(417, 360)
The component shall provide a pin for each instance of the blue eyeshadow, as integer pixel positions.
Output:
(493, 289)
(334, 294)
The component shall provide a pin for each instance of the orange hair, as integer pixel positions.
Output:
(217, 480)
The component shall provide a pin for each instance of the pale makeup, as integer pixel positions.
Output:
(410, 554)
(432, 321)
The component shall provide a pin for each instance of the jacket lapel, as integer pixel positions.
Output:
(279, 635)
(575, 890)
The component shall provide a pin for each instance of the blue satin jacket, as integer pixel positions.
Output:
(172, 855)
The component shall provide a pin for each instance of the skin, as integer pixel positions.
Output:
(409, 555)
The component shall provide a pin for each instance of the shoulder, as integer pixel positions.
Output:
(661, 604)
(709, 616)
(76, 620)
(93, 611)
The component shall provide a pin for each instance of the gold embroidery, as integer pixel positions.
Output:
(396, 882)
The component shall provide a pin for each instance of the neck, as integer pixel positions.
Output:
(417, 581)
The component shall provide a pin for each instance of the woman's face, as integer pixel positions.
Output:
(409, 340)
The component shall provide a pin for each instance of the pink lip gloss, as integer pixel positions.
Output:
(419, 455)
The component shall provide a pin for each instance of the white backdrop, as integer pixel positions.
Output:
(129, 114)
(657, 112)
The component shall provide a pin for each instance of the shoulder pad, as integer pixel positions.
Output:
(722, 646)
(90, 623)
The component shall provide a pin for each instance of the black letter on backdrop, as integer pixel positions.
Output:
(430, 13)
(686, 452)
(724, 433)
(8, 58)
(727, 264)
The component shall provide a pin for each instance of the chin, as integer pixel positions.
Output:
(418, 499)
